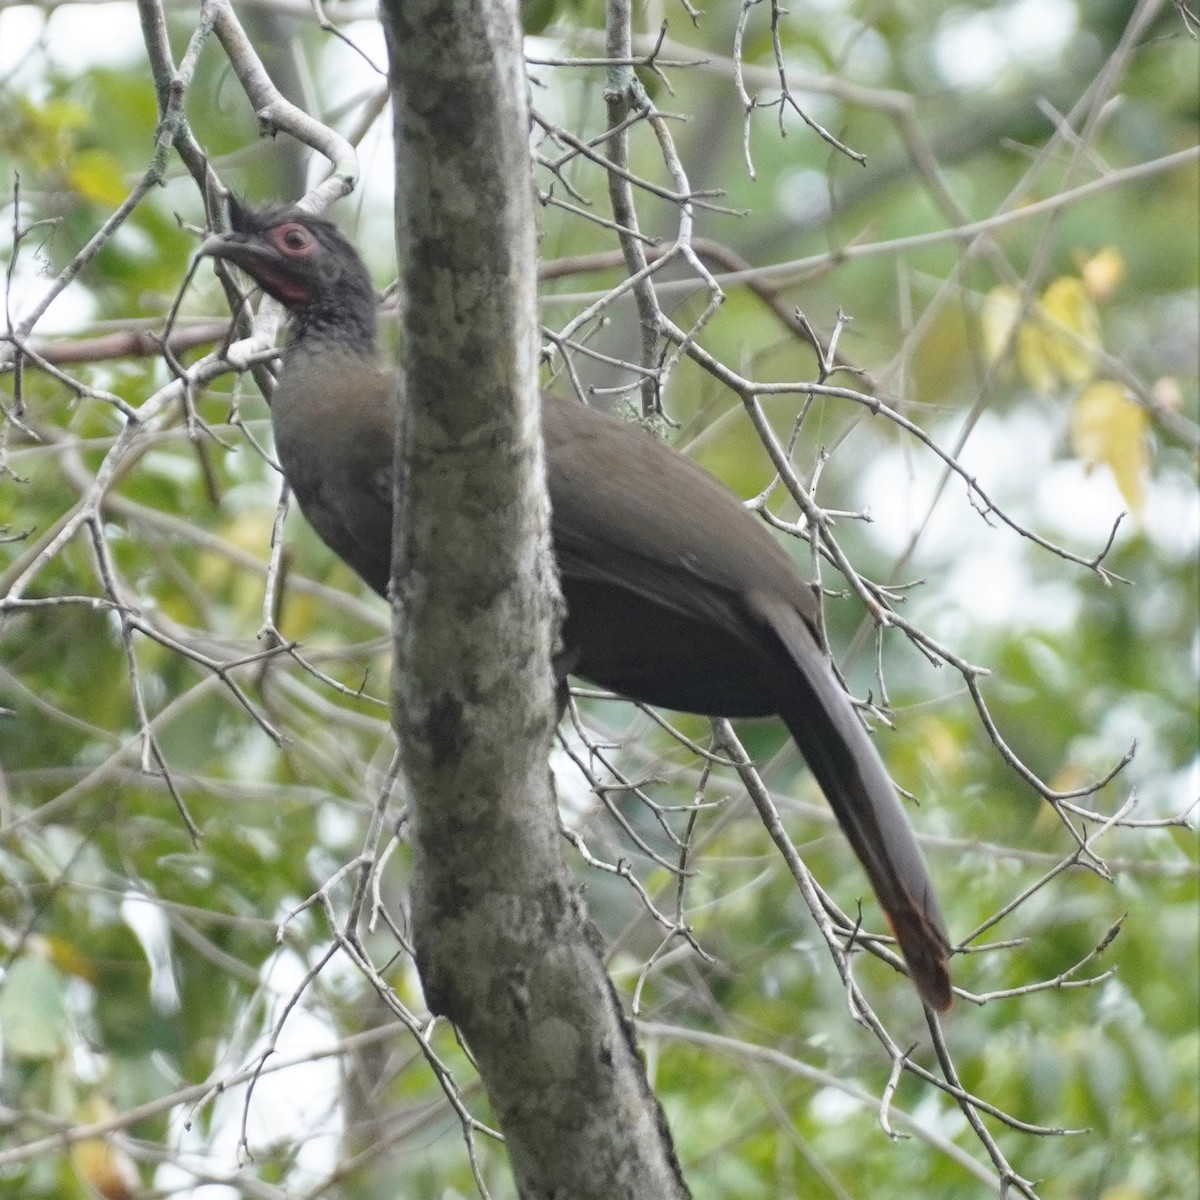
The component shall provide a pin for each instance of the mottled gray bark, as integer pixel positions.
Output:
(503, 944)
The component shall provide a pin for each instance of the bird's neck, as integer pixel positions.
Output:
(319, 329)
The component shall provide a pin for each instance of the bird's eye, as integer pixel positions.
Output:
(293, 240)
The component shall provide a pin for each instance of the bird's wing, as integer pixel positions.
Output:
(628, 511)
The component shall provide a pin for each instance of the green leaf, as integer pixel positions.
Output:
(33, 1014)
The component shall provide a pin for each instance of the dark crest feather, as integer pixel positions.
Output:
(246, 218)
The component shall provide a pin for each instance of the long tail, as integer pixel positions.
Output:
(845, 763)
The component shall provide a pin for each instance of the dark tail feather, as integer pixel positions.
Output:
(845, 763)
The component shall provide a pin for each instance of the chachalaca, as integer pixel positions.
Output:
(675, 595)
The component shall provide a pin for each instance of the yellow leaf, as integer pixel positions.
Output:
(68, 959)
(1055, 343)
(249, 531)
(102, 1164)
(1000, 312)
(106, 1168)
(1168, 393)
(96, 175)
(58, 116)
(1072, 330)
(1035, 359)
(1103, 272)
(1108, 429)
(940, 748)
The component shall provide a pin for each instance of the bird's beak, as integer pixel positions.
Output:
(212, 246)
(233, 249)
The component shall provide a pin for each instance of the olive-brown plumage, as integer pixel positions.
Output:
(675, 595)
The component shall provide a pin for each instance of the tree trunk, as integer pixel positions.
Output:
(503, 944)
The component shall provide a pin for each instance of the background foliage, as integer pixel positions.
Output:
(148, 971)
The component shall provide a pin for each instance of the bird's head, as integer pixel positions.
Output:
(306, 264)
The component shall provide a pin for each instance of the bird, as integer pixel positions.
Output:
(675, 595)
